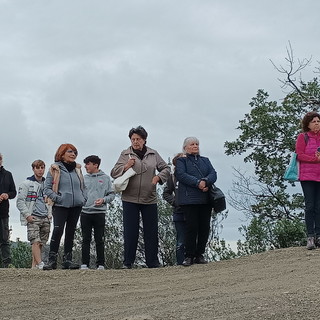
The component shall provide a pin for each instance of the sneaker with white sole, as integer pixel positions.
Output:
(100, 268)
(84, 267)
(40, 265)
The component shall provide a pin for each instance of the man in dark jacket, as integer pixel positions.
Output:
(7, 191)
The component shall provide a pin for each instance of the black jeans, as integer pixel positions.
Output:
(4, 240)
(131, 219)
(197, 218)
(96, 222)
(180, 227)
(311, 192)
(64, 218)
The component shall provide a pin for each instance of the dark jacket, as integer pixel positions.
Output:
(6, 186)
(190, 170)
(170, 194)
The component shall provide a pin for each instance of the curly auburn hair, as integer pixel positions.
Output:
(63, 149)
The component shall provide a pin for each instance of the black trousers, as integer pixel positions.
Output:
(95, 221)
(131, 220)
(4, 240)
(64, 218)
(197, 219)
(311, 192)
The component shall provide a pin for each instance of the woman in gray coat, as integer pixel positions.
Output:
(64, 188)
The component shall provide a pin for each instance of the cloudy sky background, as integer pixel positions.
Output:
(85, 72)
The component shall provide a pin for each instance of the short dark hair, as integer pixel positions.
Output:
(93, 159)
(139, 131)
(307, 119)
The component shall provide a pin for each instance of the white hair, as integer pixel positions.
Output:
(188, 141)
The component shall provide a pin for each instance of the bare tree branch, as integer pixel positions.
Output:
(290, 71)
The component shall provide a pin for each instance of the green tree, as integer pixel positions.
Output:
(267, 137)
(21, 256)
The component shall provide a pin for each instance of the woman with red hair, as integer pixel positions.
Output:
(64, 188)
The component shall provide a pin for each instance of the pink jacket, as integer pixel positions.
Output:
(306, 149)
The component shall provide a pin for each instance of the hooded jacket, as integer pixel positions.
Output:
(98, 185)
(6, 186)
(140, 188)
(190, 170)
(69, 186)
(27, 195)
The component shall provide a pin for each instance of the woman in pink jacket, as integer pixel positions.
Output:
(308, 155)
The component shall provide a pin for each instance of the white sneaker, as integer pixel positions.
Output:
(40, 265)
(100, 268)
(84, 267)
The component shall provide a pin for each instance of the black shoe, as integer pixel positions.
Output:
(158, 265)
(127, 266)
(317, 241)
(68, 263)
(200, 260)
(187, 262)
(52, 263)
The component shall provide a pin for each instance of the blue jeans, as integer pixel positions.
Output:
(180, 227)
(311, 192)
(131, 220)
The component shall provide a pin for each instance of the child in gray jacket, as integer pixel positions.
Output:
(99, 191)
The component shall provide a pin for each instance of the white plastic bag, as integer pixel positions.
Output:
(120, 184)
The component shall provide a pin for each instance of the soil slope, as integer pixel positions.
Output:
(281, 284)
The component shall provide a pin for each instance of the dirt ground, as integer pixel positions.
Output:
(281, 284)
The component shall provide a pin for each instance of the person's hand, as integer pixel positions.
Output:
(129, 164)
(202, 185)
(4, 196)
(30, 219)
(155, 180)
(99, 202)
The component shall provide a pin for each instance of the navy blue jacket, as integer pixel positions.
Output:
(190, 170)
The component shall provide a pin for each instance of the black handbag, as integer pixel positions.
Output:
(217, 199)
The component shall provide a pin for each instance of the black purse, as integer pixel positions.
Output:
(217, 198)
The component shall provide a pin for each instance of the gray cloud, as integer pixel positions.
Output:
(85, 72)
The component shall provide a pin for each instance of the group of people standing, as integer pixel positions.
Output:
(65, 195)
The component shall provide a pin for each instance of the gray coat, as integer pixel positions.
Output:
(140, 189)
(70, 193)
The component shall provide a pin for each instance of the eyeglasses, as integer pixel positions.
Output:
(72, 151)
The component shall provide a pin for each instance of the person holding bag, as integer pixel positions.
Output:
(195, 175)
(140, 196)
(307, 145)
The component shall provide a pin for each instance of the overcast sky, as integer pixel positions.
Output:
(85, 72)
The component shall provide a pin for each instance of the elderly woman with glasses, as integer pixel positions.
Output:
(140, 196)
(64, 188)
